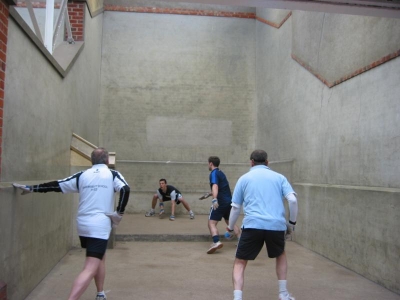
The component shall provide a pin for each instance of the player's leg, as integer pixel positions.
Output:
(151, 212)
(100, 276)
(186, 205)
(275, 243)
(95, 251)
(238, 278)
(84, 278)
(281, 266)
(250, 244)
(281, 272)
(173, 204)
(213, 219)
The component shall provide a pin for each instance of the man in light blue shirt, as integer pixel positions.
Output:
(261, 192)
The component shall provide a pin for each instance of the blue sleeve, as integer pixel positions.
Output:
(213, 178)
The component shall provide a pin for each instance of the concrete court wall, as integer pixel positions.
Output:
(41, 111)
(345, 145)
(176, 89)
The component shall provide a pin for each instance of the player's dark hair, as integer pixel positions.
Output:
(162, 179)
(99, 156)
(214, 160)
(259, 157)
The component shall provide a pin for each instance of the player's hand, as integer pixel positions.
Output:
(215, 204)
(115, 218)
(26, 189)
(290, 227)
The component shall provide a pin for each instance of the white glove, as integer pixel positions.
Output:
(26, 189)
(214, 203)
(115, 218)
(290, 227)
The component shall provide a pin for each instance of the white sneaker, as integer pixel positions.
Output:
(214, 247)
(150, 213)
(287, 297)
(101, 297)
(191, 215)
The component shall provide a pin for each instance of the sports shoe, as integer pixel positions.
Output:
(214, 247)
(287, 297)
(191, 215)
(172, 218)
(161, 214)
(150, 213)
(101, 297)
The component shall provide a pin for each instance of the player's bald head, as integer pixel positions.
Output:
(99, 156)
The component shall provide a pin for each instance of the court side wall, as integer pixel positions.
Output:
(175, 90)
(41, 111)
(344, 141)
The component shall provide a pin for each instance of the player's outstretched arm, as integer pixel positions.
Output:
(52, 186)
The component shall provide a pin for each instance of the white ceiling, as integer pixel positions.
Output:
(377, 8)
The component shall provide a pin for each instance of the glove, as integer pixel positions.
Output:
(290, 227)
(214, 203)
(26, 189)
(115, 218)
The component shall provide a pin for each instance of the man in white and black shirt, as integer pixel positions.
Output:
(95, 217)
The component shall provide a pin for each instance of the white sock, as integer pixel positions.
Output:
(282, 287)
(101, 293)
(237, 295)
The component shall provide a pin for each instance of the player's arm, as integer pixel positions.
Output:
(214, 192)
(293, 208)
(52, 186)
(234, 215)
(123, 199)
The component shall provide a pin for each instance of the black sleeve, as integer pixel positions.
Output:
(123, 199)
(52, 186)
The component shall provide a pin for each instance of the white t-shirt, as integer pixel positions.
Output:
(96, 187)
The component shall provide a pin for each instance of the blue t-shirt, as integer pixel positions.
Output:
(224, 191)
(261, 193)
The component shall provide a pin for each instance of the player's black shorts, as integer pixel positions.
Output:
(177, 201)
(223, 211)
(94, 247)
(252, 240)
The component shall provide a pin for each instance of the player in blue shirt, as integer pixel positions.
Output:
(260, 192)
(221, 202)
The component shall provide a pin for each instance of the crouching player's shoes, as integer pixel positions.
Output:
(150, 213)
(286, 297)
(161, 214)
(214, 247)
(191, 215)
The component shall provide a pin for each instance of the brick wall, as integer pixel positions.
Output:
(76, 12)
(3, 51)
